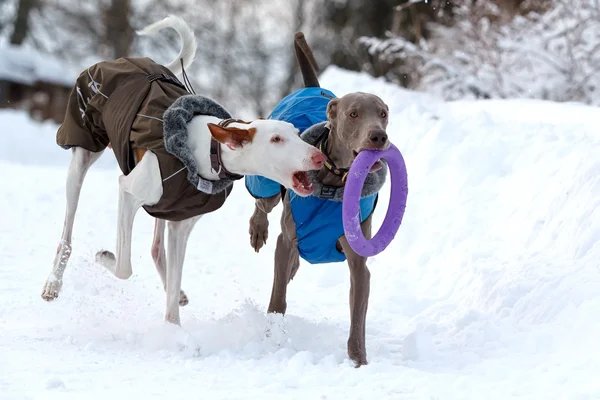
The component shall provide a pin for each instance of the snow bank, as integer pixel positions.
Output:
(490, 289)
(26, 65)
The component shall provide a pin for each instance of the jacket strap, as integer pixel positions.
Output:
(165, 78)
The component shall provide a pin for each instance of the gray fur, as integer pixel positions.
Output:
(175, 120)
(373, 183)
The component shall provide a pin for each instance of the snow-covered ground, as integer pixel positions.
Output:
(491, 288)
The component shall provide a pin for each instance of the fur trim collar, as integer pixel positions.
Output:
(373, 183)
(175, 120)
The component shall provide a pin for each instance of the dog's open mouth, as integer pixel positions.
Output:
(376, 167)
(301, 183)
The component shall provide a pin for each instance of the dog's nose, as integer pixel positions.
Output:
(378, 137)
(318, 159)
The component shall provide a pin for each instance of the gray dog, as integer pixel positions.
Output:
(311, 227)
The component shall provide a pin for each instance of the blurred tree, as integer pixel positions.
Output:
(21, 22)
(346, 21)
(118, 34)
(350, 19)
(245, 47)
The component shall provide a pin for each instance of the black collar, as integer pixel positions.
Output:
(342, 173)
(215, 154)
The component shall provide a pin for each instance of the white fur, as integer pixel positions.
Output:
(81, 161)
(186, 34)
(143, 186)
(198, 141)
(276, 161)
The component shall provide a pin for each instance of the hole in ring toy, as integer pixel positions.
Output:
(351, 202)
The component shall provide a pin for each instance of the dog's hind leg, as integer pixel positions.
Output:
(287, 260)
(179, 232)
(160, 257)
(81, 160)
(143, 186)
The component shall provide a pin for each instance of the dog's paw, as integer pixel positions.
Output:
(360, 362)
(51, 289)
(106, 258)
(357, 353)
(259, 231)
(183, 299)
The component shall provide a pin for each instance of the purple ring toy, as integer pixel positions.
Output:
(397, 204)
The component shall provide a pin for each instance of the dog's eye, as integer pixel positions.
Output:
(276, 139)
(353, 114)
(383, 114)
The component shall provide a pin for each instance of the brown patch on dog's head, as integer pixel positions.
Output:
(233, 137)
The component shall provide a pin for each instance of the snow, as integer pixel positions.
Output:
(490, 289)
(25, 65)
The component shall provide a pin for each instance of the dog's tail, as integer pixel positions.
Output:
(306, 60)
(188, 40)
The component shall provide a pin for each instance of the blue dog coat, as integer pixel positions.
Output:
(318, 221)
(319, 226)
(302, 108)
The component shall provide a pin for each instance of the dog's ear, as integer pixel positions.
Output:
(234, 138)
(332, 109)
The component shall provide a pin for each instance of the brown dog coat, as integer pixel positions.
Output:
(122, 102)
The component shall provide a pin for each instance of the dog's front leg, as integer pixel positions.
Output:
(179, 232)
(259, 222)
(142, 186)
(128, 206)
(360, 286)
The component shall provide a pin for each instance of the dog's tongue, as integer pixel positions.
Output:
(301, 179)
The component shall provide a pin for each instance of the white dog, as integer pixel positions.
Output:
(179, 153)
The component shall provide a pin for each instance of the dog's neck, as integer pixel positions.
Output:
(339, 154)
(199, 140)
(337, 151)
